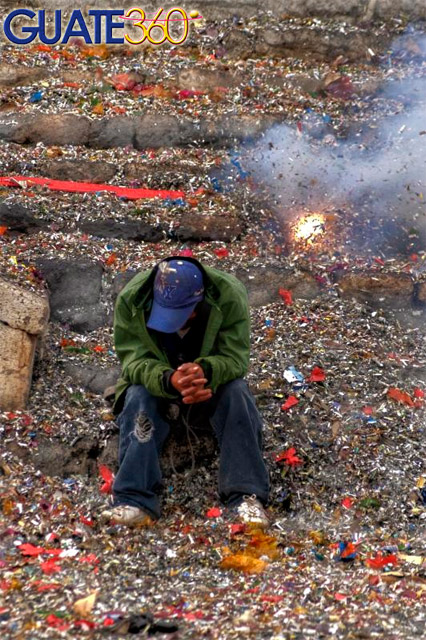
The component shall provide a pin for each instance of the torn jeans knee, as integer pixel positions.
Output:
(144, 428)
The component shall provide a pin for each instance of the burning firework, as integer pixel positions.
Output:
(309, 227)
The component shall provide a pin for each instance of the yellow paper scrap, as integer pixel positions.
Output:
(85, 605)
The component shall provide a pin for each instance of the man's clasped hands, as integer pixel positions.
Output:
(190, 381)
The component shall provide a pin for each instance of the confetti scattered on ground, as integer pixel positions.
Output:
(340, 387)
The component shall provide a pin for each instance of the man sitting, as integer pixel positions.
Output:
(182, 334)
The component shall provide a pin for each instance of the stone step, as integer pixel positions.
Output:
(150, 174)
(141, 132)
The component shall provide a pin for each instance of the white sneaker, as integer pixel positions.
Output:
(252, 511)
(128, 515)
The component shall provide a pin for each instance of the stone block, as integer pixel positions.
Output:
(387, 290)
(23, 315)
(197, 79)
(421, 292)
(13, 75)
(204, 228)
(79, 170)
(18, 219)
(126, 230)
(22, 309)
(57, 129)
(16, 364)
(263, 284)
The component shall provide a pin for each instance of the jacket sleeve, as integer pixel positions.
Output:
(140, 365)
(231, 355)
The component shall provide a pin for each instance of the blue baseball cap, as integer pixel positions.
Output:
(178, 288)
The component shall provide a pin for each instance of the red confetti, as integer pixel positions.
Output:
(90, 559)
(108, 622)
(57, 623)
(185, 94)
(85, 625)
(3, 231)
(290, 402)
(28, 549)
(116, 109)
(108, 477)
(267, 598)
(317, 375)
(347, 502)
(194, 615)
(289, 457)
(123, 82)
(349, 550)
(286, 296)
(99, 348)
(50, 566)
(379, 261)
(47, 586)
(43, 47)
(368, 411)
(340, 596)
(26, 420)
(400, 396)
(186, 253)
(221, 253)
(214, 512)
(52, 536)
(418, 393)
(68, 343)
(381, 561)
(111, 259)
(237, 528)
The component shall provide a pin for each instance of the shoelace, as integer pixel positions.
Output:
(251, 505)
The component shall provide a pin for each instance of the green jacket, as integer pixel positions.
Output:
(225, 350)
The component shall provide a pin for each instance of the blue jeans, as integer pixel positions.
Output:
(144, 428)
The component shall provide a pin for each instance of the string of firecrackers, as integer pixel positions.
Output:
(88, 187)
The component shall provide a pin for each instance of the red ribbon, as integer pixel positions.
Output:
(89, 187)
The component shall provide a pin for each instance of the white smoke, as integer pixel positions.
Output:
(383, 178)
